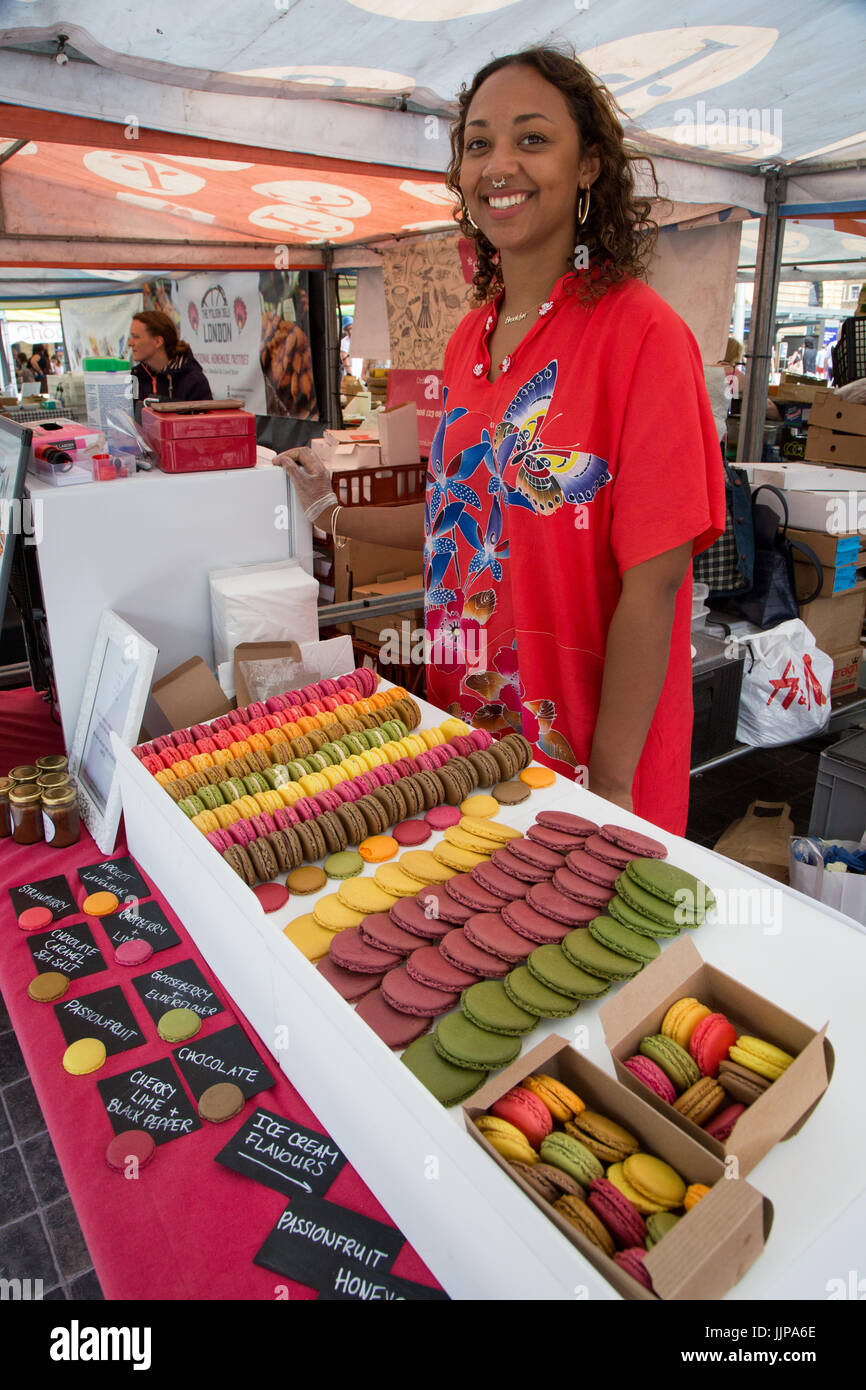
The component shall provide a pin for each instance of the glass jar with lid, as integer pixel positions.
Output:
(6, 785)
(25, 813)
(53, 762)
(50, 781)
(24, 775)
(60, 819)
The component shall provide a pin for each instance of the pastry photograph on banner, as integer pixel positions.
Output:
(286, 359)
(427, 296)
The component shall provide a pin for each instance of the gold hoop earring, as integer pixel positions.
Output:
(583, 210)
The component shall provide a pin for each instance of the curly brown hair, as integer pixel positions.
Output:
(619, 234)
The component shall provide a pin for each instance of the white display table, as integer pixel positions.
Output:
(144, 546)
(473, 1226)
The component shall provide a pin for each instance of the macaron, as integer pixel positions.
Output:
(608, 1141)
(658, 1225)
(518, 868)
(581, 889)
(552, 968)
(694, 1192)
(682, 1018)
(701, 1101)
(584, 951)
(363, 895)
(469, 894)
(47, 987)
(623, 940)
(674, 1061)
(311, 939)
(412, 917)
(524, 1110)
(35, 918)
(506, 1139)
(394, 880)
(663, 917)
(351, 951)
(549, 1182)
(487, 1005)
(133, 952)
(410, 833)
(620, 1217)
(409, 996)
(710, 1042)
(634, 842)
(482, 806)
(272, 896)
(461, 953)
(436, 901)
(440, 817)
(489, 932)
(511, 793)
(100, 904)
(130, 1151)
(573, 1157)
(344, 864)
(672, 885)
(450, 1084)
(585, 1220)
(656, 1181)
(420, 864)
(721, 1125)
(220, 1102)
(632, 1261)
(537, 998)
(741, 1083)
(351, 985)
(588, 867)
(567, 823)
(760, 1057)
(534, 927)
(547, 900)
(536, 777)
(652, 1076)
(428, 966)
(378, 929)
(455, 858)
(334, 916)
(559, 1099)
(559, 840)
(466, 1045)
(500, 884)
(84, 1056)
(176, 1025)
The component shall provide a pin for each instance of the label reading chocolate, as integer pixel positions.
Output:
(105, 1015)
(283, 1155)
(141, 921)
(71, 950)
(151, 1098)
(52, 893)
(225, 1056)
(311, 1234)
(179, 986)
(118, 876)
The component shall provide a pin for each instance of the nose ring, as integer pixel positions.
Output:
(499, 184)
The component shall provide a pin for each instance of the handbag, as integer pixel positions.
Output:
(727, 566)
(772, 598)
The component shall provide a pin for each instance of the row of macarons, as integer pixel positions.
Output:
(259, 716)
(260, 848)
(705, 1068)
(302, 754)
(590, 1168)
(287, 740)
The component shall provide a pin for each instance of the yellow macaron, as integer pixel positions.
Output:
(506, 1139)
(682, 1018)
(395, 880)
(311, 939)
(334, 916)
(420, 865)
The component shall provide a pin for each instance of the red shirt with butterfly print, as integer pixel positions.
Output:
(594, 450)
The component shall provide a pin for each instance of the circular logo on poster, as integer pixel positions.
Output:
(192, 315)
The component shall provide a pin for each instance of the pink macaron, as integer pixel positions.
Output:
(276, 702)
(632, 1261)
(187, 736)
(235, 716)
(720, 1125)
(481, 738)
(710, 1042)
(623, 1220)
(286, 817)
(652, 1077)
(440, 817)
(134, 952)
(221, 723)
(242, 832)
(258, 726)
(142, 751)
(163, 741)
(153, 763)
(188, 750)
(257, 709)
(526, 1112)
(412, 832)
(220, 839)
(263, 823)
(306, 808)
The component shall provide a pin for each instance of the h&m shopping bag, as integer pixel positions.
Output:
(786, 686)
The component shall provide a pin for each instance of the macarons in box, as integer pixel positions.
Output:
(693, 1234)
(682, 1029)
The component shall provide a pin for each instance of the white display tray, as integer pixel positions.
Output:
(468, 1221)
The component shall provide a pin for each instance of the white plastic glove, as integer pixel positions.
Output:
(310, 479)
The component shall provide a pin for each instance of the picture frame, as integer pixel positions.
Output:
(115, 694)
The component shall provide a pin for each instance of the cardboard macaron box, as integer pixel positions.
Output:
(697, 1253)
(767, 1096)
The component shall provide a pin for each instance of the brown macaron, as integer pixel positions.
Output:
(521, 747)
(412, 795)
(212, 776)
(486, 767)
(301, 747)
(48, 986)
(235, 768)
(307, 879)
(178, 789)
(353, 823)
(281, 752)
(374, 815)
(388, 802)
(312, 842)
(430, 789)
(264, 859)
(332, 829)
(220, 1102)
(511, 793)
(257, 760)
(403, 812)
(505, 761)
(238, 859)
(316, 737)
(452, 787)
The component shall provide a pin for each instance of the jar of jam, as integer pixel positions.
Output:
(6, 785)
(50, 781)
(53, 762)
(25, 809)
(60, 819)
(24, 775)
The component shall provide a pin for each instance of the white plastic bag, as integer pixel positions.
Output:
(786, 686)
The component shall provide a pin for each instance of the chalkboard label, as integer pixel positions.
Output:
(283, 1155)
(118, 876)
(225, 1056)
(311, 1234)
(71, 950)
(145, 921)
(150, 1097)
(105, 1015)
(181, 986)
(52, 893)
(348, 1282)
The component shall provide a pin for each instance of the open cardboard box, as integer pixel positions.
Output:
(636, 1011)
(711, 1247)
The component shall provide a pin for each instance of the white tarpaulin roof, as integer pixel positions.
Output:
(352, 96)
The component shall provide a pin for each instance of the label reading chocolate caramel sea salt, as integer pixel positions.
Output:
(71, 950)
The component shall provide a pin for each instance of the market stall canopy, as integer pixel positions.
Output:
(812, 250)
(243, 146)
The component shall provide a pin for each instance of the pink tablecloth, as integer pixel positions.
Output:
(187, 1228)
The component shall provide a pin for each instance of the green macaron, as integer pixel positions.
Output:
(210, 797)
(191, 806)
(623, 912)
(315, 762)
(571, 1157)
(658, 1225)
(673, 885)
(450, 1084)
(625, 941)
(489, 1007)
(354, 743)
(296, 770)
(374, 738)
(344, 864)
(334, 752)
(529, 993)
(674, 1061)
(465, 1045)
(551, 967)
(589, 954)
(232, 789)
(276, 776)
(255, 782)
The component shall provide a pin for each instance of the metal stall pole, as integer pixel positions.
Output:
(758, 354)
(333, 409)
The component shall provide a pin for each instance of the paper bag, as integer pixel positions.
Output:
(760, 841)
(398, 433)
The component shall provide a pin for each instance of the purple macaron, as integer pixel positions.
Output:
(652, 1077)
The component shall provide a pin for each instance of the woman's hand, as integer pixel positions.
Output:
(311, 481)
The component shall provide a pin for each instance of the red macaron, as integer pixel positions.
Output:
(710, 1042)
(526, 1112)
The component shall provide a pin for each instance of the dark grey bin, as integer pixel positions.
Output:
(839, 802)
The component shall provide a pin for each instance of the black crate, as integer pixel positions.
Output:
(716, 682)
(849, 354)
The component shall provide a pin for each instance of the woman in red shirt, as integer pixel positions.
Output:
(575, 470)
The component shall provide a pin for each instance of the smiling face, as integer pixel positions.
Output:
(521, 136)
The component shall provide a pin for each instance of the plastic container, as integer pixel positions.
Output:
(839, 801)
(380, 486)
(717, 678)
(206, 440)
